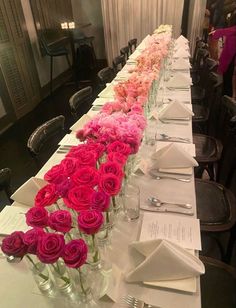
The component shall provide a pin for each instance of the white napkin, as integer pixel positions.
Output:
(176, 110)
(80, 123)
(27, 192)
(181, 63)
(108, 92)
(181, 52)
(173, 156)
(179, 80)
(181, 38)
(161, 260)
(141, 167)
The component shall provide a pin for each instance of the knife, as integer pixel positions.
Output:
(168, 210)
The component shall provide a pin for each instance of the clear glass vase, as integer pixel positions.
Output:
(93, 257)
(104, 234)
(61, 277)
(41, 274)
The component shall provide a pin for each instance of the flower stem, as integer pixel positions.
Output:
(36, 267)
(58, 271)
(81, 282)
(95, 257)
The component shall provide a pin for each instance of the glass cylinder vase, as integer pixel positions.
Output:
(93, 257)
(61, 277)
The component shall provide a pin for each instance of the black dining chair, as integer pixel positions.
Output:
(118, 63)
(81, 97)
(125, 51)
(132, 43)
(218, 284)
(53, 52)
(105, 75)
(44, 139)
(5, 182)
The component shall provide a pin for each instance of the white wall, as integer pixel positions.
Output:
(42, 63)
(85, 11)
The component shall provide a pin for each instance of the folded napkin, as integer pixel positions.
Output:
(181, 38)
(179, 80)
(181, 52)
(173, 156)
(80, 123)
(175, 110)
(161, 260)
(27, 192)
(181, 63)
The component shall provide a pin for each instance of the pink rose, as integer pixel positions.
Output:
(111, 167)
(50, 247)
(60, 221)
(100, 201)
(118, 146)
(80, 135)
(13, 245)
(90, 222)
(52, 175)
(110, 184)
(98, 147)
(79, 198)
(75, 253)
(46, 195)
(86, 176)
(31, 239)
(69, 165)
(117, 157)
(63, 186)
(37, 217)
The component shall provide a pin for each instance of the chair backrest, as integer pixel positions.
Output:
(44, 132)
(83, 96)
(5, 180)
(132, 45)
(105, 75)
(202, 55)
(125, 51)
(118, 63)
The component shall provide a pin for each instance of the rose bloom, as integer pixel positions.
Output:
(79, 198)
(100, 201)
(31, 238)
(118, 146)
(117, 157)
(110, 184)
(75, 253)
(13, 245)
(111, 167)
(69, 165)
(52, 175)
(37, 217)
(60, 221)
(90, 222)
(50, 247)
(63, 186)
(46, 195)
(86, 176)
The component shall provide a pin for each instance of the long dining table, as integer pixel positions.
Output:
(18, 288)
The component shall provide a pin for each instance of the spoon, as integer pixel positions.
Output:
(158, 203)
(173, 178)
(180, 139)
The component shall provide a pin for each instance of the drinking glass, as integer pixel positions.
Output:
(131, 202)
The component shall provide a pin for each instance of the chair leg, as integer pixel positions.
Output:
(230, 246)
(51, 74)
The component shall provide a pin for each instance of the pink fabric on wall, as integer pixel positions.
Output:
(229, 50)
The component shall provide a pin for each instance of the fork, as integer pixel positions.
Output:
(133, 302)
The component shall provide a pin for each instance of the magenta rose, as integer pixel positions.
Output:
(13, 245)
(80, 135)
(46, 196)
(100, 201)
(50, 247)
(75, 253)
(110, 184)
(31, 239)
(70, 165)
(111, 167)
(60, 221)
(86, 176)
(98, 147)
(53, 175)
(117, 157)
(90, 222)
(63, 186)
(79, 198)
(37, 217)
(120, 147)
(83, 155)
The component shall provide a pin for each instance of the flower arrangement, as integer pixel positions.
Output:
(73, 207)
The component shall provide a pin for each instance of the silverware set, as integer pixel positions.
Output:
(133, 302)
(178, 122)
(165, 137)
(63, 149)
